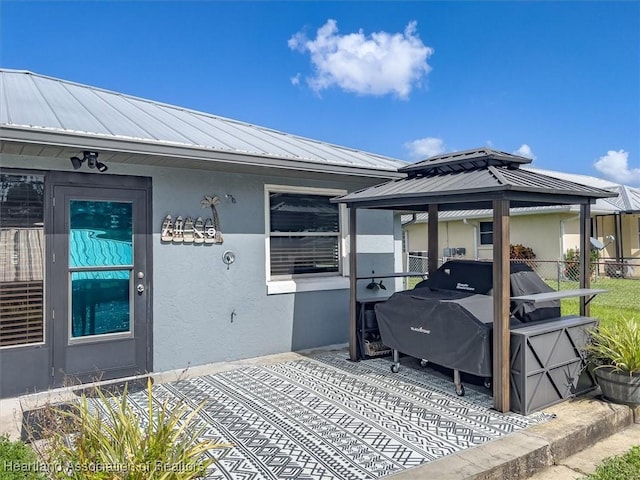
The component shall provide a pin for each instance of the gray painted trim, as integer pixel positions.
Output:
(180, 154)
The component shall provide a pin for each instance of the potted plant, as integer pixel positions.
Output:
(614, 354)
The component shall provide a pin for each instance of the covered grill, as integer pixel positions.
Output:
(448, 318)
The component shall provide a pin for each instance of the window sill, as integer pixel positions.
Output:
(275, 287)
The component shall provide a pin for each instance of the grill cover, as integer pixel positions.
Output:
(450, 328)
(448, 318)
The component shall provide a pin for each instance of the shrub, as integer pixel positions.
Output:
(18, 461)
(572, 263)
(521, 252)
(168, 447)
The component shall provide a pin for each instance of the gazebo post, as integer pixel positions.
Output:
(585, 255)
(353, 286)
(432, 239)
(501, 302)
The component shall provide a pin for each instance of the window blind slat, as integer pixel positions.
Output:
(21, 313)
(304, 234)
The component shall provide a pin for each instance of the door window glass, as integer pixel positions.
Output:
(100, 234)
(100, 302)
(100, 267)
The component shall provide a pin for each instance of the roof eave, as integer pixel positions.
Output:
(508, 192)
(144, 147)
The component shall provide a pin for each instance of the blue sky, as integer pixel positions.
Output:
(556, 81)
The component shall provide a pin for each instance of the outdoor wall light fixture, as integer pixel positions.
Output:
(92, 161)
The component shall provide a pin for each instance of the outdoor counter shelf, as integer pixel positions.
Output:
(392, 275)
(548, 296)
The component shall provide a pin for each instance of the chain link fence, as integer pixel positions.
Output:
(621, 280)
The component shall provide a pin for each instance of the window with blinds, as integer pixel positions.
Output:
(21, 259)
(486, 233)
(304, 234)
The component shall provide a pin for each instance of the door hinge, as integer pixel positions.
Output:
(53, 371)
(53, 314)
(54, 257)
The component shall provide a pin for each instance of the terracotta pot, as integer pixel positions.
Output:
(619, 387)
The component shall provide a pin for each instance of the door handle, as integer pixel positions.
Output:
(140, 288)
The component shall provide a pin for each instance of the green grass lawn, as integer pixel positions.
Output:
(622, 298)
(622, 467)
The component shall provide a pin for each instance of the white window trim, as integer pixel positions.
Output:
(308, 283)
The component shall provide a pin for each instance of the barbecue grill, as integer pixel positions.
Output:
(447, 319)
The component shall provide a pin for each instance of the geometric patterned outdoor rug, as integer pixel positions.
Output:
(324, 417)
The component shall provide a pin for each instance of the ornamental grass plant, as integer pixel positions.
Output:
(616, 346)
(110, 442)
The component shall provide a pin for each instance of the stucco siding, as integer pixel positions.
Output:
(195, 294)
(540, 232)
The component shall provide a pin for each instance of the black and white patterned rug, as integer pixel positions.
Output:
(323, 417)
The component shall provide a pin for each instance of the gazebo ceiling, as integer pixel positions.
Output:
(469, 180)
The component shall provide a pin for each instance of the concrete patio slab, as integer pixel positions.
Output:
(558, 445)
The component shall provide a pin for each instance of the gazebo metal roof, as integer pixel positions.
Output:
(472, 180)
(465, 160)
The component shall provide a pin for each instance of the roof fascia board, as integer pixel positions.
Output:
(470, 197)
(563, 197)
(141, 147)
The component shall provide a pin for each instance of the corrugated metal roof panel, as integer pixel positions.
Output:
(474, 187)
(32, 101)
(529, 179)
(628, 198)
(573, 177)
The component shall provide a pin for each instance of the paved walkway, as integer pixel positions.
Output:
(585, 462)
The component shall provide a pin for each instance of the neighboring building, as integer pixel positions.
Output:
(549, 231)
(97, 282)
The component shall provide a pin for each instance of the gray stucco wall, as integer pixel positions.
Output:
(195, 294)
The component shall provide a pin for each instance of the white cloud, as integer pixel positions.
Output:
(295, 80)
(425, 148)
(525, 151)
(615, 165)
(379, 64)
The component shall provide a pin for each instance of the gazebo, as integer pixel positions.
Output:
(481, 178)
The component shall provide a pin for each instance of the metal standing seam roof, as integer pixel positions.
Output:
(37, 103)
(471, 181)
(628, 199)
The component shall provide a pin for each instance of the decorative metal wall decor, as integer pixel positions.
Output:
(188, 230)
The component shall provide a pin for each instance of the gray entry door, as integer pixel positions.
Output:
(100, 283)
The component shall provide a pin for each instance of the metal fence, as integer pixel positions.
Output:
(621, 280)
